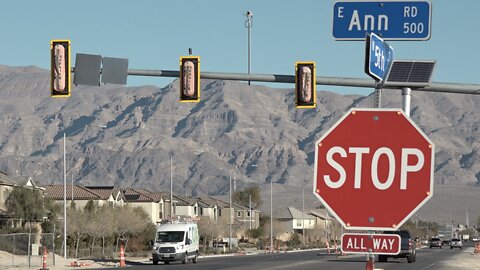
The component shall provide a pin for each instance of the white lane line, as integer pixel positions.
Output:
(428, 266)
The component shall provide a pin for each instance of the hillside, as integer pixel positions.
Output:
(125, 136)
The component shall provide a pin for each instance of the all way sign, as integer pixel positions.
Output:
(391, 20)
(371, 243)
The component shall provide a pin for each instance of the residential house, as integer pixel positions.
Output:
(110, 194)
(208, 207)
(186, 206)
(7, 183)
(152, 204)
(249, 218)
(293, 221)
(323, 223)
(73, 193)
(225, 211)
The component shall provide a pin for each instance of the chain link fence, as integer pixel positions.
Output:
(26, 250)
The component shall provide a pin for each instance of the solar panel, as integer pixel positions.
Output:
(87, 69)
(410, 73)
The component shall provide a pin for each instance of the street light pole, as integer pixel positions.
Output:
(271, 215)
(248, 25)
(303, 211)
(171, 187)
(72, 187)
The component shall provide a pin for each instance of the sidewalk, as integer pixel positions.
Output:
(19, 262)
(463, 260)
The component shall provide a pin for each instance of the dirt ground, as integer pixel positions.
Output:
(9, 261)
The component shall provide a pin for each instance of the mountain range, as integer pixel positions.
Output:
(143, 137)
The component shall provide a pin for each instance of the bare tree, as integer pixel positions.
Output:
(314, 234)
(104, 220)
(206, 229)
(76, 225)
(128, 221)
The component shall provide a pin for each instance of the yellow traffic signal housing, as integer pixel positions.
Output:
(305, 85)
(60, 77)
(189, 79)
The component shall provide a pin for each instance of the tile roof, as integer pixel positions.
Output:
(6, 181)
(320, 213)
(56, 192)
(207, 202)
(238, 206)
(185, 200)
(106, 191)
(212, 201)
(138, 195)
(158, 196)
(293, 213)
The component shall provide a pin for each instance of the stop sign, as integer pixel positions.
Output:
(373, 169)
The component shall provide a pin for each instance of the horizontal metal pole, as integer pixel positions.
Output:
(457, 88)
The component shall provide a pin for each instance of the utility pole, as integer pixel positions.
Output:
(230, 215)
(250, 209)
(72, 187)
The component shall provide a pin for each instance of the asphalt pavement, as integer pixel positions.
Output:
(438, 259)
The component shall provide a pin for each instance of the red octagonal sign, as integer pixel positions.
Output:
(374, 169)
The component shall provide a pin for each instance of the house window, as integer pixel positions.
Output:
(248, 213)
(219, 212)
(299, 223)
(239, 214)
(201, 211)
(195, 210)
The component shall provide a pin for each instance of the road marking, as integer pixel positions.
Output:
(292, 265)
(428, 266)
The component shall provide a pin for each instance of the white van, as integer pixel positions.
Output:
(176, 242)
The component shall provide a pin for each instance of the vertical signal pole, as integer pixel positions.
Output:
(248, 25)
(377, 101)
(64, 197)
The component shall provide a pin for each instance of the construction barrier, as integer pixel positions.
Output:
(370, 264)
(44, 265)
(477, 248)
(122, 257)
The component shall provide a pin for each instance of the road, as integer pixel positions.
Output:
(309, 260)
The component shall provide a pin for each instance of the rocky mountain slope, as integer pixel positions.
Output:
(127, 136)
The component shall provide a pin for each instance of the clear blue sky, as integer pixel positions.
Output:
(154, 34)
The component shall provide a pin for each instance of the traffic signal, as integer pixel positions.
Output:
(60, 68)
(305, 85)
(189, 79)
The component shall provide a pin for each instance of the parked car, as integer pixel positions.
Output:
(407, 247)
(456, 243)
(435, 242)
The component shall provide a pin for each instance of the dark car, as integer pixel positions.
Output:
(435, 242)
(407, 247)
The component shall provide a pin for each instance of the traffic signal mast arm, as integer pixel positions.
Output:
(457, 88)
